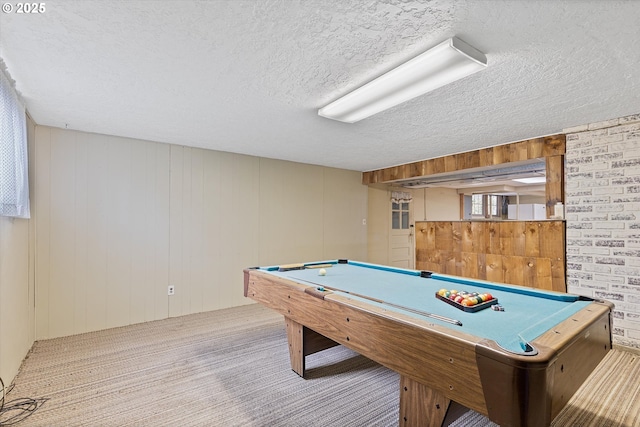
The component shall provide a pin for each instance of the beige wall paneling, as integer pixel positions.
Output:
(345, 208)
(137, 231)
(102, 241)
(230, 211)
(80, 191)
(291, 212)
(121, 219)
(62, 233)
(181, 219)
(150, 248)
(419, 204)
(214, 212)
(190, 232)
(378, 217)
(30, 321)
(178, 200)
(437, 204)
(238, 214)
(42, 197)
(16, 285)
(98, 210)
(193, 238)
(216, 217)
(16, 336)
(120, 226)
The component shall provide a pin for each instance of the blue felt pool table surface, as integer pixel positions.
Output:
(527, 314)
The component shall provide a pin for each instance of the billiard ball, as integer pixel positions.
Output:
(322, 272)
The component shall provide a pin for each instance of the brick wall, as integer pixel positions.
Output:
(602, 205)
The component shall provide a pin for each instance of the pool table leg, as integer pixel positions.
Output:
(421, 405)
(302, 342)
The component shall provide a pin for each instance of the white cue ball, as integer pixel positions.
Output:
(322, 272)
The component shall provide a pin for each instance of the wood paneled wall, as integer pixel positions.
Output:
(102, 227)
(119, 219)
(552, 148)
(527, 253)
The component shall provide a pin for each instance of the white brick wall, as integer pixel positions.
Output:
(602, 202)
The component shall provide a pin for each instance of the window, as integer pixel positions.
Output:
(14, 176)
(485, 205)
(477, 204)
(400, 210)
(492, 208)
(400, 216)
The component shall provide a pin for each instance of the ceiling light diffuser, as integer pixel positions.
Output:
(532, 180)
(445, 63)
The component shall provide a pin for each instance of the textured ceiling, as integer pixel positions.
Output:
(248, 76)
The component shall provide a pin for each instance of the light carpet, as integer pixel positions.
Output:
(231, 368)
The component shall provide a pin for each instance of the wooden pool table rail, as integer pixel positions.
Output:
(436, 364)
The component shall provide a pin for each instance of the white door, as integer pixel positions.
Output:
(401, 246)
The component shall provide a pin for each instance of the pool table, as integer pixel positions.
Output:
(519, 366)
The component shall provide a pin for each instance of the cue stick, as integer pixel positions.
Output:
(379, 301)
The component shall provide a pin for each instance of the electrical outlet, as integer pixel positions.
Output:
(171, 290)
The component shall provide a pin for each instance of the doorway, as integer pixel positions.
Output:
(401, 234)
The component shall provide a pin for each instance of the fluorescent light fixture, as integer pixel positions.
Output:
(445, 63)
(533, 180)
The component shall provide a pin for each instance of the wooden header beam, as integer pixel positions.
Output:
(547, 146)
(552, 148)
